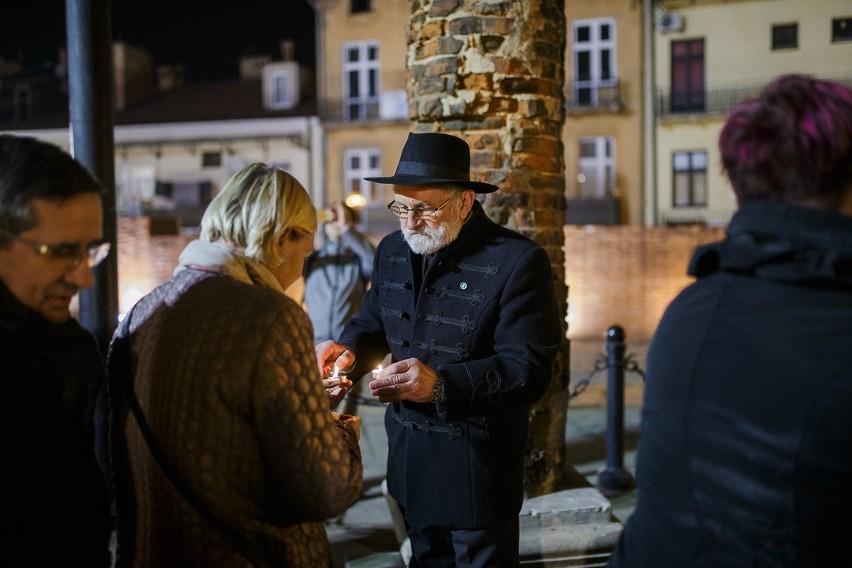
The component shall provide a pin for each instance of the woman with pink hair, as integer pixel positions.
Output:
(746, 449)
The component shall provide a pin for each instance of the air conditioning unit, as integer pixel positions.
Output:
(668, 22)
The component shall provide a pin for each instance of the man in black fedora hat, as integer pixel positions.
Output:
(468, 311)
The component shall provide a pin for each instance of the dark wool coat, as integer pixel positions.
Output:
(54, 509)
(485, 316)
(745, 457)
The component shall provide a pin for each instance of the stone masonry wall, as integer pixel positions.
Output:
(491, 71)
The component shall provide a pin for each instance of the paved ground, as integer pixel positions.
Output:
(367, 527)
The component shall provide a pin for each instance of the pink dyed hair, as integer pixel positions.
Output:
(793, 142)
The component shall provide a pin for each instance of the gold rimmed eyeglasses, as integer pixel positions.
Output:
(72, 253)
(418, 212)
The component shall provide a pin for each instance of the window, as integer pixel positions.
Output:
(359, 163)
(281, 85)
(359, 6)
(135, 187)
(282, 90)
(841, 29)
(361, 80)
(211, 159)
(593, 52)
(688, 76)
(690, 178)
(22, 98)
(785, 36)
(596, 167)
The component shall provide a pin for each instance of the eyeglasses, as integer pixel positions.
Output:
(73, 254)
(419, 212)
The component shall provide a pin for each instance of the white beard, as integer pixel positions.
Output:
(429, 240)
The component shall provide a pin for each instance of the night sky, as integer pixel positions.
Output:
(208, 40)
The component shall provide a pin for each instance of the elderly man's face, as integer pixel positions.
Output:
(45, 283)
(431, 231)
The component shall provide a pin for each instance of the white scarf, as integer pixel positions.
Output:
(215, 257)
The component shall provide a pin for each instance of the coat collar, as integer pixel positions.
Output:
(782, 242)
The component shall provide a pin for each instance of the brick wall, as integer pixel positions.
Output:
(626, 275)
(144, 261)
(623, 275)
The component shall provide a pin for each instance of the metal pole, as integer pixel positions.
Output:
(91, 124)
(613, 478)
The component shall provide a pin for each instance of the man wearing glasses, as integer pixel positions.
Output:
(54, 509)
(468, 311)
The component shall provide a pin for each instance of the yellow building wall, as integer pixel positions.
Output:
(386, 137)
(696, 135)
(387, 24)
(624, 125)
(738, 40)
(738, 54)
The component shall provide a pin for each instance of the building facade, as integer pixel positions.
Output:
(709, 55)
(603, 124)
(361, 62)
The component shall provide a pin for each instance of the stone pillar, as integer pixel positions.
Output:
(492, 73)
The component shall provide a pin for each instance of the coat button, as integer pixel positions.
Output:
(463, 285)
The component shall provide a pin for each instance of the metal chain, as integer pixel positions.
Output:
(631, 365)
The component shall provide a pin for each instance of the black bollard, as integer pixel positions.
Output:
(613, 478)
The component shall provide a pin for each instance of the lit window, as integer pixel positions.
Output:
(593, 52)
(596, 167)
(361, 84)
(359, 163)
(690, 178)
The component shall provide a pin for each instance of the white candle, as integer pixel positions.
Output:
(336, 372)
(376, 371)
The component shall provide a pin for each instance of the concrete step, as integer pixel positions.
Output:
(581, 505)
(585, 545)
(569, 528)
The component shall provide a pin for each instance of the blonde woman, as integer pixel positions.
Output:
(225, 450)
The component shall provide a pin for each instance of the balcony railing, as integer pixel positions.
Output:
(696, 216)
(714, 101)
(588, 96)
(387, 100)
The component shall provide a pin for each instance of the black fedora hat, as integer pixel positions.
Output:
(432, 158)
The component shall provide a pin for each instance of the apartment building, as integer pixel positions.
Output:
(177, 143)
(603, 123)
(711, 54)
(363, 106)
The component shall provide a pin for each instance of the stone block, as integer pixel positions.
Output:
(587, 545)
(579, 506)
(377, 560)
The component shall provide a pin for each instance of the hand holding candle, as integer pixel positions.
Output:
(409, 379)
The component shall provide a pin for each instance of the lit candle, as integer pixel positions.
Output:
(336, 372)
(376, 371)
